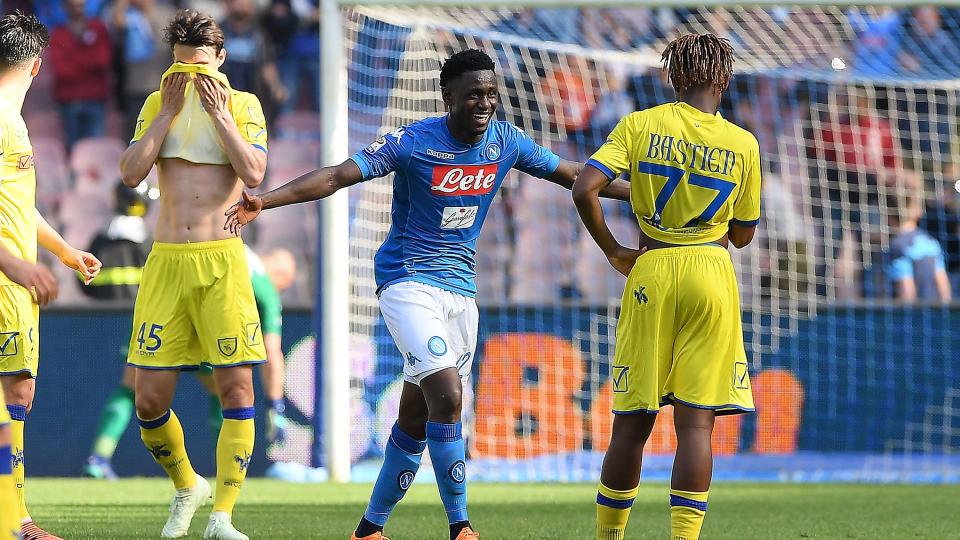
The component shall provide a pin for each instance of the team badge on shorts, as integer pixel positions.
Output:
(8, 343)
(458, 472)
(620, 380)
(227, 345)
(741, 379)
(437, 346)
(253, 330)
(405, 479)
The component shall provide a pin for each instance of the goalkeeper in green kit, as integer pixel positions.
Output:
(275, 272)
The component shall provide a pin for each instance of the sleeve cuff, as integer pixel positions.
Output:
(602, 168)
(260, 147)
(745, 223)
(362, 165)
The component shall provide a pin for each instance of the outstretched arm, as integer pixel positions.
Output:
(568, 171)
(312, 186)
(586, 191)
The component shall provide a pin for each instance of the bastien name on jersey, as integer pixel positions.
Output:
(692, 156)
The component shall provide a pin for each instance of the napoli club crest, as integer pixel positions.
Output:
(405, 479)
(493, 152)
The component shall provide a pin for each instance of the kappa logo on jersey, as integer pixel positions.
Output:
(459, 217)
(405, 479)
(455, 180)
(439, 155)
(458, 472)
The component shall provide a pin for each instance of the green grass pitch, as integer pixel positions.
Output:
(136, 508)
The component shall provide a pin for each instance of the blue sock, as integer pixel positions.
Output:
(400, 463)
(448, 453)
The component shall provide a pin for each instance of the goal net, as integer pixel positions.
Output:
(855, 110)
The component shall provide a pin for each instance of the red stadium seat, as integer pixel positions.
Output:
(53, 176)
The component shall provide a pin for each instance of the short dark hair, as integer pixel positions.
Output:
(193, 29)
(695, 60)
(22, 38)
(463, 62)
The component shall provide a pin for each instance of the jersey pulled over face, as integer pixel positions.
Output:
(442, 191)
(691, 173)
(18, 187)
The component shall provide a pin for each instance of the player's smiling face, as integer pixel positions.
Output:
(472, 101)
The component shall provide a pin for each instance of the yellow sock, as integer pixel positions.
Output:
(9, 505)
(613, 511)
(163, 436)
(234, 447)
(687, 509)
(18, 414)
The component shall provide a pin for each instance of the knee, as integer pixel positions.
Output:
(150, 404)
(236, 395)
(445, 405)
(413, 424)
(20, 393)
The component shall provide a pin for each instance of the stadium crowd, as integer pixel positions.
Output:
(859, 177)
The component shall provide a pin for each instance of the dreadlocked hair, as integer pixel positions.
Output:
(696, 60)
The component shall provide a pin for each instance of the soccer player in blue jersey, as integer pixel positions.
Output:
(448, 169)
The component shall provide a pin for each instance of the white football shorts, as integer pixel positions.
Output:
(434, 329)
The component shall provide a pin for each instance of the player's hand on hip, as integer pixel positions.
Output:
(173, 93)
(83, 262)
(213, 95)
(623, 258)
(246, 210)
(36, 278)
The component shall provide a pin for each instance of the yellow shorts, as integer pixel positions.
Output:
(19, 324)
(679, 337)
(195, 306)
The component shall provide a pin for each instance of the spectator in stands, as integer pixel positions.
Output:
(916, 266)
(82, 57)
(138, 27)
(615, 102)
(877, 49)
(858, 151)
(928, 48)
(122, 247)
(53, 13)
(250, 64)
(294, 28)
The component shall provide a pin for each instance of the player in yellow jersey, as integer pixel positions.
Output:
(22, 38)
(195, 304)
(695, 181)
